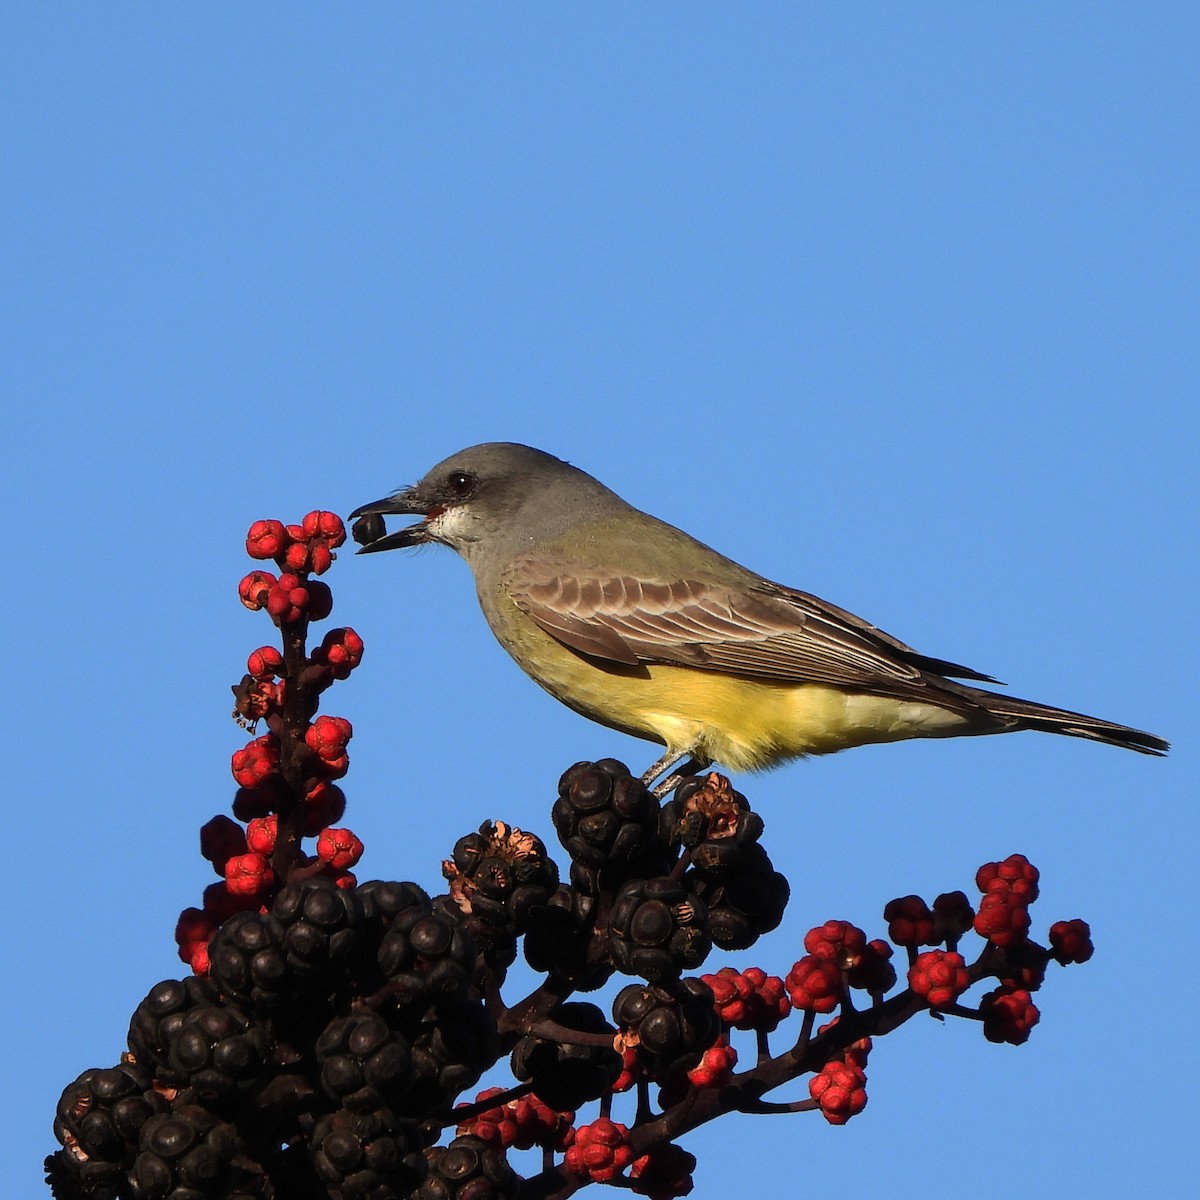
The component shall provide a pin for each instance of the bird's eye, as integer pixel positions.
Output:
(460, 483)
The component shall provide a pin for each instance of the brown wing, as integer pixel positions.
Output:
(766, 631)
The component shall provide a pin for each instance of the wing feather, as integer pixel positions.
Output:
(765, 631)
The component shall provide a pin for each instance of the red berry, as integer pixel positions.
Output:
(340, 649)
(749, 999)
(910, 921)
(1071, 941)
(320, 558)
(261, 834)
(296, 558)
(495, 1125)
(325, 525)
(1008, 1015)
(838, 941)
(256, 761)
(939, 977)
(600, 1151)
(631, 1070)
(815, 983)
(1016, 876)
(265, 663)
(248, 874)
(840, 1088)
(715, 1068)
(339, 848)
(266, 539)
(1002, 919)
(254, 589)
(327, 736)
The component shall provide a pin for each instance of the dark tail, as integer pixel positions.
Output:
(1027, 714)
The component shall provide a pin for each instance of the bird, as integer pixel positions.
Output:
(635, 624)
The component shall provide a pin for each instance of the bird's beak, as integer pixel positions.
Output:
(372, 533)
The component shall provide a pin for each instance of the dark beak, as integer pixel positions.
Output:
(370, 529)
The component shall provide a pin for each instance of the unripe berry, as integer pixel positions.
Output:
(254, 589)
(1016, 876)
(1008, 1015)
(1071, 941)
(261, 834)
(910, 922)
(265, 663)
(327, 737)
(600, 1151)
(256, 761)
(837, 941)
(340, 649)
(266, 539)
(248, 874)
(939, 977)
(324, 525)
(296, 558)
(716, 1064)
(339, 848)
(320, 558)
(840, 1088)
(1002, 919)
(815, 983)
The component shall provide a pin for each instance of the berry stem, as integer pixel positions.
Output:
(299, 706)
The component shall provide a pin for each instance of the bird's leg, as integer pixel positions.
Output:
(670, 758)
(676, 765)
(694, 765)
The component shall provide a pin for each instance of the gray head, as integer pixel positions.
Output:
(496, 495)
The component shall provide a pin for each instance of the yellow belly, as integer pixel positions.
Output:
(745, 724)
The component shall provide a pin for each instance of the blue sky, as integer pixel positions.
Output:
(894, 305)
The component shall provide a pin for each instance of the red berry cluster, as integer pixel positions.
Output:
(749, 999)
(1071, 941)
(298, 551)
(285, 776)
(939, 977)
(301, 548)
(520, 1123)
(815, 984)
(600, 1151)
(1008, 888)
(1008, 1015)
(840, 1089)
(839, 958)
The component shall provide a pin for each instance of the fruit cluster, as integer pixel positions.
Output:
(322, 1046)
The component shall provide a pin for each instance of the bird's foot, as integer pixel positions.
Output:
(675, 766)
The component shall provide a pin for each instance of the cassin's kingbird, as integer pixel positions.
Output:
(635, 624)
